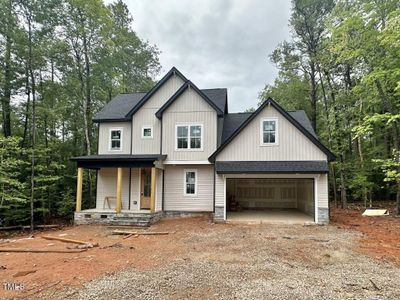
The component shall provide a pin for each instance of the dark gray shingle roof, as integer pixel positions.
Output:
(118, 107)
(234, 120)
(122, 104)
(271, 167)
(218, 96)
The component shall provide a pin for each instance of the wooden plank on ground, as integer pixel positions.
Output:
(140, 232)
(47, 237)
(40, 250)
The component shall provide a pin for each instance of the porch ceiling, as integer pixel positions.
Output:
(271, 167)
(117, 160)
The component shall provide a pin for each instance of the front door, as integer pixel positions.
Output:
(145, 188)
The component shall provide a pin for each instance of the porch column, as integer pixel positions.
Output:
(119, 190)
(153, 190)
(79, 190)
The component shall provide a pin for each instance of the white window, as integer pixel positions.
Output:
(116, 139)
(269, 132)
(147, 132)
(190, 182)
(189, 137)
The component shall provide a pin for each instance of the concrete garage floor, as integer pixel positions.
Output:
(270, 216)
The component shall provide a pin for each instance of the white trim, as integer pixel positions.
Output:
(223, 176)
(187, 162)
(316, 199)
(262, 144)
(142, 133)
(139, 189)
(120, 140)
(195, 182)
(188, 148)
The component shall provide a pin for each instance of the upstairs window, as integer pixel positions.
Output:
(147, 132)
(269, 132)
(190, 184)
(115, 139)
(189, 137)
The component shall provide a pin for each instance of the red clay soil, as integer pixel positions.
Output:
(114, 253)
(381, 235)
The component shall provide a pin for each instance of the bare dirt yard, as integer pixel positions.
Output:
(353, 258)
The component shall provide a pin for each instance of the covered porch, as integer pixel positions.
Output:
(128, 191)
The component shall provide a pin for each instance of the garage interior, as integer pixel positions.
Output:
(267, 200)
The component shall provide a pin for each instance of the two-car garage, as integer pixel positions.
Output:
(288, 200)
(272, 191)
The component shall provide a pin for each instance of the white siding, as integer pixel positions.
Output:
(146, 116)
(189, 108)
(174, 198)
(322, 190)
(219, 190)
(107, 187)
(104, 137)
(293, 144)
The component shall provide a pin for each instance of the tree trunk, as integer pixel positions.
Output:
(6, 99)
(33, 88)
(313, 95)
(343, 193)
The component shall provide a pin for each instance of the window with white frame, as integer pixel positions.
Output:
(190, 182)
(147, 132)
(115, 139)
(269, 131)
(189, 137)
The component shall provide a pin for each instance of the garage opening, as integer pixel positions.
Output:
(270, 200)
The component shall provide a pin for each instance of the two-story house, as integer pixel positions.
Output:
(176, 149)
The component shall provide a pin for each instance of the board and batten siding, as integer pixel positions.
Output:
(189, 108)
(174, 198)
(104, 137)
(292, 143)
(107, 187)
(159, 185)
(135, 188)
(145, 116)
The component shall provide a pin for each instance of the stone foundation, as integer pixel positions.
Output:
(219, 213)
(323, 215)
(184, 214)
(112, 218)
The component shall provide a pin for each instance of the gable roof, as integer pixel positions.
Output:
(180, 91)
(173, 71)
(116, 109)
(233, 121)
(287, 115)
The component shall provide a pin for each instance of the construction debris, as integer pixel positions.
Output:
(23, 273)
(70, 241)
(140, 233)
(40, 250)
(28, 227)
(375, 212)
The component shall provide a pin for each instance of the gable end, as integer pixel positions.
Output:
(275, 105)
(182, 89)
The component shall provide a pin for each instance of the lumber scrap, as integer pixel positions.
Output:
(23, 273)
(47, 237)
(375, 212)
(40, 250)
(123, 232)
(27, 227)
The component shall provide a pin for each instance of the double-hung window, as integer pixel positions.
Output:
(115, 139)
(189, 137)
(190, 183)
(269, 132)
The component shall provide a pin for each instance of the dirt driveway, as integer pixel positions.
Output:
(202, 260)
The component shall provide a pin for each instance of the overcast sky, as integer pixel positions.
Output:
(216, 43)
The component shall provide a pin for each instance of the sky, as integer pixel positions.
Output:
(216, 43)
